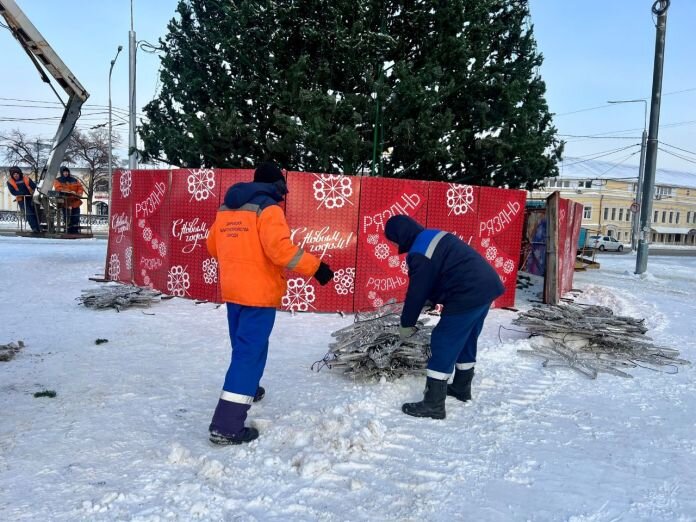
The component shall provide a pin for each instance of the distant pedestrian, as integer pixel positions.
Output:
(23, 187)
(251, 241)
(444, 270)
(71, 207)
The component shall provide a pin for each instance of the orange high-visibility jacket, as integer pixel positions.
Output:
(69, 184)
(16, 190)
(251, 240)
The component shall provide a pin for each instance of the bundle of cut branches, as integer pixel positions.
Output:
(591, 340)
(8, 351)
(118, 297)
(370, 347)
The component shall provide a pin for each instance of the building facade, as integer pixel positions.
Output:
(608, 194)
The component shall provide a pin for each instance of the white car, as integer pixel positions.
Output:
(603, 243)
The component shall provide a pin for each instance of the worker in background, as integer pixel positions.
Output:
(251, 241)
(442, 269)
(22, 187)
(71, 207)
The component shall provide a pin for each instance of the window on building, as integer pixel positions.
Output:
(628, 214)
(634, 187)
(618, 236)
(620, 214)
(566, 184)
(671, 215)
(688, 217)
(654, 237)
(664, 216)
(677, 238)
(101, 185)
(655, 217)
(606, 214)
(676, 220)
(613, 214)
(587, 212)
(610, 233)
(585, 184)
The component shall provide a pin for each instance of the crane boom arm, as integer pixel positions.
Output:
(45, 59)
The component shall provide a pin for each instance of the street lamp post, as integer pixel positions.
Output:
(113, 62)
(641, 170)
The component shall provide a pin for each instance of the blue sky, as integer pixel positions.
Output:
(594, 51)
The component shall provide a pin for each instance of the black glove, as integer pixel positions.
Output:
(323, 274)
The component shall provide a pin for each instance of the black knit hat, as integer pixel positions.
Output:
(15, 170)
(268, 172)
(64, 169)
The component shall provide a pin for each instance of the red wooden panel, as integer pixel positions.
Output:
(381, 273)
(193, 204)
(569, 223)
(454, 208)
(501, 218)
(151, 234)
(119, 254)
(322, 211)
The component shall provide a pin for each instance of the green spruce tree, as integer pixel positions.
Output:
(450, 89)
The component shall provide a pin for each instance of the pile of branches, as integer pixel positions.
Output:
(119, 297)
(592, 340)
(370, 347)
(8, 351)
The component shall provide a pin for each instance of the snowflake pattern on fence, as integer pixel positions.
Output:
(394, 261)
(491, 253)
(499, 262)
(344, 281)
(147, 234)
(141, 223)
(126, 182)
(382, 251)
(332, 191)
(178, 281)
(210, 271)
(162, 249)
(485, 242)
(114, 266)
(299, 296)
(460, 199)
(404, 267)
(201, 183)
(509, 266)
(372, 239)
(129, 258)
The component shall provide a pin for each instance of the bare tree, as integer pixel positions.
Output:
(91, 150)
(20, 149)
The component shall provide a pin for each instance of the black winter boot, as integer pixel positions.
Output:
(227, 426)
(260, 393)
(433, 403)
(461, 385)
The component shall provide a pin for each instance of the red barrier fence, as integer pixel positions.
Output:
(160, 221)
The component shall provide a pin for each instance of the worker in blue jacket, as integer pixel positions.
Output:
(442, 269)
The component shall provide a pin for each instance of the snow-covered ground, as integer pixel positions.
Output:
(126, 436)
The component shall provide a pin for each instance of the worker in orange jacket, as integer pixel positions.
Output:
(71, 208)
(251, 241)
(22, 187)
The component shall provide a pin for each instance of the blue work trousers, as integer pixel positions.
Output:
(454, 340)
(250, 327)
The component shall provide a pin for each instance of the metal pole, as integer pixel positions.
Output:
(132, 144)
(113, 62)
(660, 9)
(639, 191)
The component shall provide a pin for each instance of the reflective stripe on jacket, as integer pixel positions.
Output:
(69, 184)
(253, 247)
